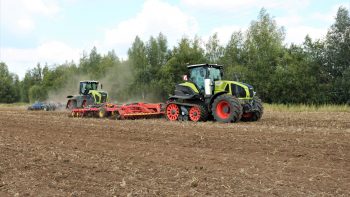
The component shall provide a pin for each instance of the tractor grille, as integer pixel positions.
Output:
(103, 97)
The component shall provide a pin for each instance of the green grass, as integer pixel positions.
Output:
(307, 108)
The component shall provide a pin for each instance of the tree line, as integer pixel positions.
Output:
(314, 72)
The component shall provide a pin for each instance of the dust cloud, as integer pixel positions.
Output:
(115, 82)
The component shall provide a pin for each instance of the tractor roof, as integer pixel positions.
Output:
(89, 81)
(205, 65)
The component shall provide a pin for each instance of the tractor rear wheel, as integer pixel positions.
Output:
(72, 104)
(172, 112)
(226, 108)
(256, 115)
(198, 113)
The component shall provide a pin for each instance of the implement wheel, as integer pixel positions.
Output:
(172, 112)
(116, 115)
(102, 113)
(198, 113)
(226, 108)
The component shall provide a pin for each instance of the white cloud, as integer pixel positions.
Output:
(286, 20)
(314, 24)
(225, 32)
(233, 6)
(51, 52)
(43, 7)
(20, 16)
(328, 17)
(156, 16)
(25, 24)
(297, 34)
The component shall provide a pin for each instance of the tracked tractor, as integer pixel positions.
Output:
(88, 95)
(204, 95)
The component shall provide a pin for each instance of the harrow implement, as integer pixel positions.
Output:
(121, 111)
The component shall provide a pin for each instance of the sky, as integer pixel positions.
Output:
(55, 31)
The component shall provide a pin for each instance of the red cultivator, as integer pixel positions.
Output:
(120, 112)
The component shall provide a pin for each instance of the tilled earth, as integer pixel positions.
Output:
(284, 154)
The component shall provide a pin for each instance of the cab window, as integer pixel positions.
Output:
(197, 76)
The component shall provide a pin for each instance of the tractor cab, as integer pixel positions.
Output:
(208, 79)
(204, 76)
(86, 86)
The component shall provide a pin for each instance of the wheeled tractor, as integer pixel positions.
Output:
(88, 95)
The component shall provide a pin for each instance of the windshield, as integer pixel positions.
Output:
(198, 74)
(85, 87)
(214, 74)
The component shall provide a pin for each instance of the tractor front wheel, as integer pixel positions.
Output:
(255, 115)
(226, 108)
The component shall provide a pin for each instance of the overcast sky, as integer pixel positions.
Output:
(53, 31)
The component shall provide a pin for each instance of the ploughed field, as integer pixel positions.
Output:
(283, 154)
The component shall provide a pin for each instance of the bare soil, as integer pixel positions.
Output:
(283, 154)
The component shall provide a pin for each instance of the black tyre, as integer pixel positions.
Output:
(198, 113)
(256, 115)
(71, 104)
(84, 104)
(226, 108)
(115, 115)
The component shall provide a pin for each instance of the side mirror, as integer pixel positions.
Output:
(185, 78)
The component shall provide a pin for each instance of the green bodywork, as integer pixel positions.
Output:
(190, 85)
(224, 86)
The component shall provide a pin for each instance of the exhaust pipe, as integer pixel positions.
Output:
(208, 88)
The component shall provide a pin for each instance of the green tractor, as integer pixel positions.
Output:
(204, 95)
(88, 95)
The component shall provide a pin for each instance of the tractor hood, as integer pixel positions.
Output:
(238, 89)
